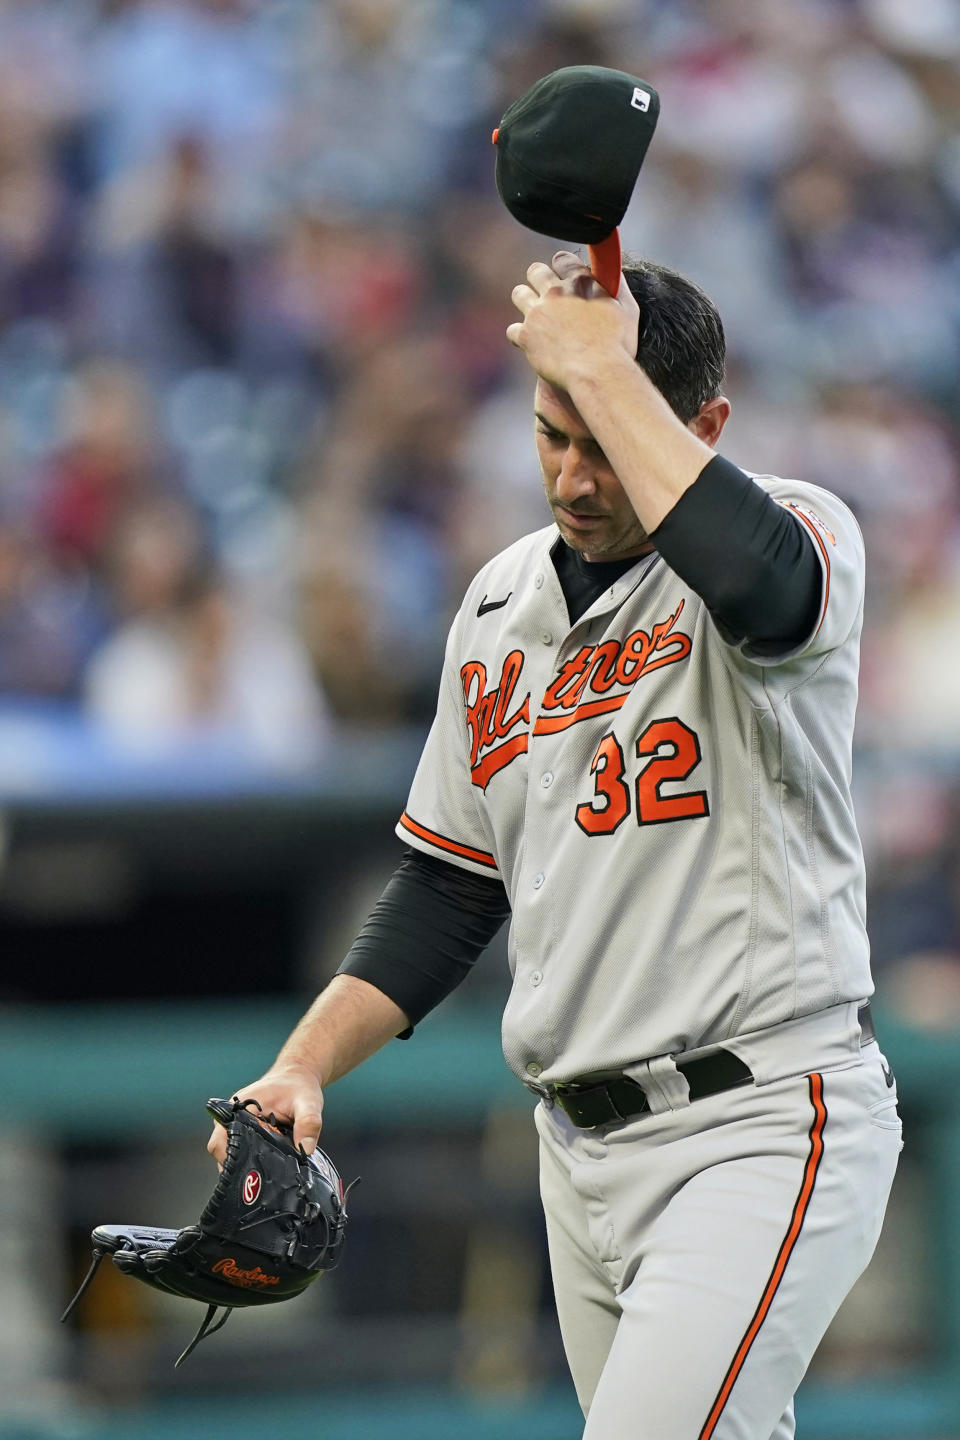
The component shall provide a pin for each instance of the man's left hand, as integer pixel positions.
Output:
(569, 321)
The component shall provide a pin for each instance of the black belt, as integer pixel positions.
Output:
(597, 1102)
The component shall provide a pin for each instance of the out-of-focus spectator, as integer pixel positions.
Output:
(188, 663)
(378, 494)
(38, 240)
(109, 460)
(914, 675)
(51, 618)
(159, 69)
(40, 104)
(896, 463)
(337, 288)
(163, 281)
(914, 901)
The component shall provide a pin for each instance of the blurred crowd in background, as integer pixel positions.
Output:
(259, 423)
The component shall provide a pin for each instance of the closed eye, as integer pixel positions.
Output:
(586, 442)
(557, 437)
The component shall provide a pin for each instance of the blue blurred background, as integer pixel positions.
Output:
(258, 427)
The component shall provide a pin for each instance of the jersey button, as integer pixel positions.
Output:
(535, 977)
(547, 638)
(538, 581)
(534, 1069)
(546, 779)
(538, 880)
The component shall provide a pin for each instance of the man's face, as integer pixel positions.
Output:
(589, 504)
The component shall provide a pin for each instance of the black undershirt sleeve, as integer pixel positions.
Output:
(751, 561)
(425, 932)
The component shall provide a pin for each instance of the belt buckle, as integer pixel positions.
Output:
(573, 1092)
(566, 1091)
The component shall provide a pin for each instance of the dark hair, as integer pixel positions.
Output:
(681, 345)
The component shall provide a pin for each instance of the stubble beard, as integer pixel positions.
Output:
(602, 545)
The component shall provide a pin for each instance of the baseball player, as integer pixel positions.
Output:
(642, 752)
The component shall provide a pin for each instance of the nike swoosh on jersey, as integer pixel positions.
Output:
(486, 605)
(887, 1074)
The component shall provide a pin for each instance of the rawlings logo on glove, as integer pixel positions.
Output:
(231, 1271)
(275, 1221)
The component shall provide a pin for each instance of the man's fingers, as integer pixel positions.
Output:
(523, 297)
(565, 264)
(513, 333)
(576, 274)
(540, 276)
(567, 275)
(306, 1129)
(578, 279)
(307, 1115)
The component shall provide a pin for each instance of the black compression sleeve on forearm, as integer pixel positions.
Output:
(426, 931)
(751, 562)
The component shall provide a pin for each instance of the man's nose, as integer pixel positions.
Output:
(576, 479)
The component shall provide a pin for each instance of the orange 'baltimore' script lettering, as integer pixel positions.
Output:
(596, 669)
(594, 681)
(488, 720)
(248, 1279)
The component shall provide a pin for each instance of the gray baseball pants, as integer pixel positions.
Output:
(699, 1254)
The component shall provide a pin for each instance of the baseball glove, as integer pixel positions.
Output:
(275, 1221)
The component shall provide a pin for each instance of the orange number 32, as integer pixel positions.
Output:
(672, 752)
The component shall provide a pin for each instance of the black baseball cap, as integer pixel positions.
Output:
(569, 151)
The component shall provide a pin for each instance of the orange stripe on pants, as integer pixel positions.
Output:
(786, 1250)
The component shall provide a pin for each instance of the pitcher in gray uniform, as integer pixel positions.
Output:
(642, 754)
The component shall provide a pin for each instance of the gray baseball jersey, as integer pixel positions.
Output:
(670, 812)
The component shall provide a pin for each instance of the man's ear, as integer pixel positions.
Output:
(709, 423)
